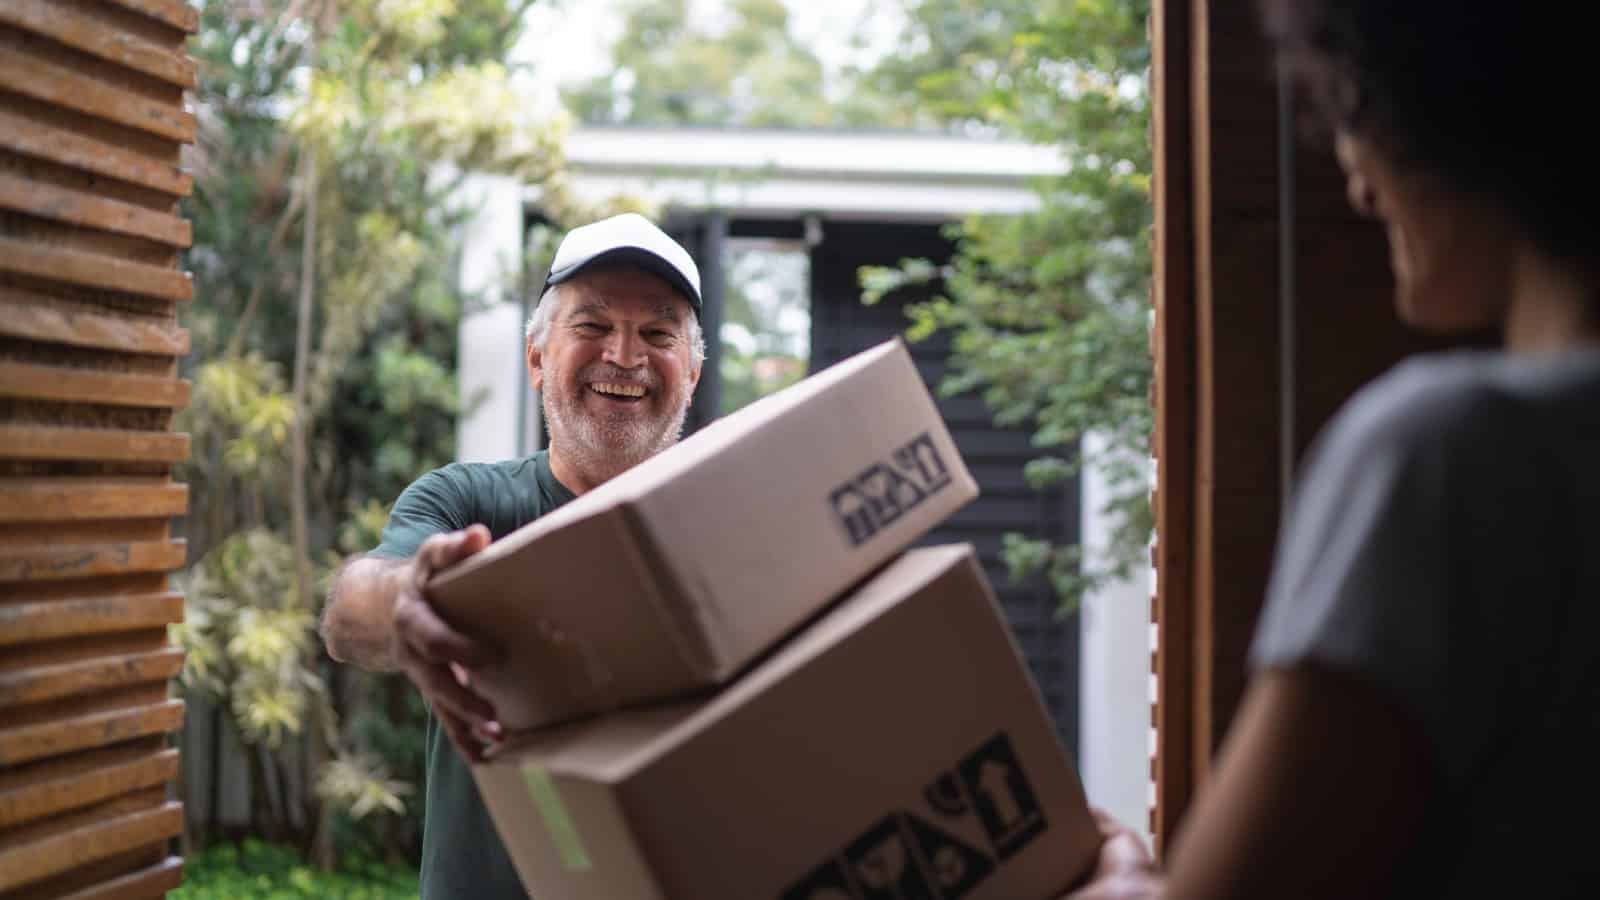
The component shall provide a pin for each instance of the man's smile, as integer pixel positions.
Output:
(618, 392)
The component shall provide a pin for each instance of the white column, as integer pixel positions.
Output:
(1114, 682)
(491, 373)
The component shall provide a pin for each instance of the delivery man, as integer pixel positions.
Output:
(614, 348)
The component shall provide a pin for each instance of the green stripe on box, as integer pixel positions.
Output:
(563, 832)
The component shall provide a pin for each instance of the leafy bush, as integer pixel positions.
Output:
(261, 871)
(332, 139)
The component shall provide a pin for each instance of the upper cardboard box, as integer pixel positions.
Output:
(895, 748)
(672, 576)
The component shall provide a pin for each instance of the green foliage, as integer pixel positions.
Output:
(671, 67)
(673, 71)
(359, 116)
(260, 871)
(247, 646)
(360, 784)
(1049, 311)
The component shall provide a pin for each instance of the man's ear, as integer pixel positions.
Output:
(535, 367)
(694, 376)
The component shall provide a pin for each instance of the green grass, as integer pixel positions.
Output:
(261, 871)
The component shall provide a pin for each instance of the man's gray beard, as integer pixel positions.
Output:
(602, 450)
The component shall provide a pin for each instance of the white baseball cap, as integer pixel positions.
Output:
(631, 239)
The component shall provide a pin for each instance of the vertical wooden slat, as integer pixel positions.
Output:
(1238, 464)
(88, 311)
(1173, 344)
(1217, 390)
(1232, 486)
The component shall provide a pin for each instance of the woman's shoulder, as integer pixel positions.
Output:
(1443, 403)
(1472, 404)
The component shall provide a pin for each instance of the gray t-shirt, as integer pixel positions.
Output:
(1444, 546)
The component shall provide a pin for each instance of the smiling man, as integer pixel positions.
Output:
(614, 349)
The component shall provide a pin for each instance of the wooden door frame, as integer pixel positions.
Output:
(1172, 341)
(1218, 399)
(1272, 307)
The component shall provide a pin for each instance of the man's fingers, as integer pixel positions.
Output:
(421, 629)
(443, 550)
(418, 625)
(432, 652)
(476, 538)
(439, 685)
(460, 735)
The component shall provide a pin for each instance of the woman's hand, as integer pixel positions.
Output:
(1124, 869)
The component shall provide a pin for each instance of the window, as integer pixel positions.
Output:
(766, 318)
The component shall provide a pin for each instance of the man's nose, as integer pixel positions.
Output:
(624, 348)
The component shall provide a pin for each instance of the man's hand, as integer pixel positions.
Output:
(437, 658)
(1124, 870)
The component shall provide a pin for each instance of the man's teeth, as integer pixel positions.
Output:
(618, 390)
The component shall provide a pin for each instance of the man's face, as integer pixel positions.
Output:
(617, 371)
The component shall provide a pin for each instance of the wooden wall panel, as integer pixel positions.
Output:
(92, 123)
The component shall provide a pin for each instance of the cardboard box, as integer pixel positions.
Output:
(669, 578)
(896, 749)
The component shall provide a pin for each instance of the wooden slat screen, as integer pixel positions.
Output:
(92, 122)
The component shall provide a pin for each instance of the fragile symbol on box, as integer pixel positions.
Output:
(886, 490)
(904, 856)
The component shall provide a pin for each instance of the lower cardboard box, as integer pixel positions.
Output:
(894, 748)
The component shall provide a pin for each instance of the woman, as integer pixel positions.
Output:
(1425, 715)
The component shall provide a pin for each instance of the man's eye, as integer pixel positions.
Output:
(659, 337)
(591, 327)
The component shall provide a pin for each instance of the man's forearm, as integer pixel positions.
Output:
(358, 623)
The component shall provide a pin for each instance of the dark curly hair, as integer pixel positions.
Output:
(1490, 97)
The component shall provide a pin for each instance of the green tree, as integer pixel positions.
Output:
(1048, 312)
(332, 137)
(748, 70)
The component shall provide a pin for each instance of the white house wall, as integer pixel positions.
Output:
(1114, 673)
(492, 383)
